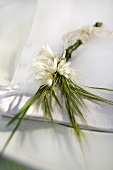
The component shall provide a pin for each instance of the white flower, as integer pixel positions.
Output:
(49, 82)
(52, 65)
(46, 65)
(63, 69)
(44, 77)
(46, 51)
(45, 70)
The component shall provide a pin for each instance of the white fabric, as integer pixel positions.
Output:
(15, 25)
(92, 61)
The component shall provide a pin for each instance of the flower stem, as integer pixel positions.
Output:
(71, 48)
(98, 24)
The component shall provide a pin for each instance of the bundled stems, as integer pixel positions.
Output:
(72, 48)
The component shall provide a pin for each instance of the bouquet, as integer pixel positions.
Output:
(57, 81)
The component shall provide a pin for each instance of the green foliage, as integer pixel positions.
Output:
(73, 96)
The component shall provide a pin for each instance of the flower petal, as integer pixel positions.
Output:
(49, 82)
(46, 51)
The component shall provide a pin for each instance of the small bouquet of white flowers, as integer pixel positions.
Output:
(56, 77)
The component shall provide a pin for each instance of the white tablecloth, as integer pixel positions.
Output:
(92, 61)
(36, 144)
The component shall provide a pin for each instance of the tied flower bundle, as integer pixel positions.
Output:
(56, 77)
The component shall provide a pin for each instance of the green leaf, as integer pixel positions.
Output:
(39, 95)
(90, 96)
(100, 88)
(28, 104)
(13, 132)
(55, 97)
(73, 99)
(48, 109)
(72, 119)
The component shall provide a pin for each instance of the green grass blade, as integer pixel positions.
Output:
(28, 104)
(100, 88)
(74, 100)
(48, 109)
(72, 119)
(86, 94)
(55, 97)
(13, 132)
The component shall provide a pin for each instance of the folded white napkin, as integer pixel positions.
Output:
(92, 61)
